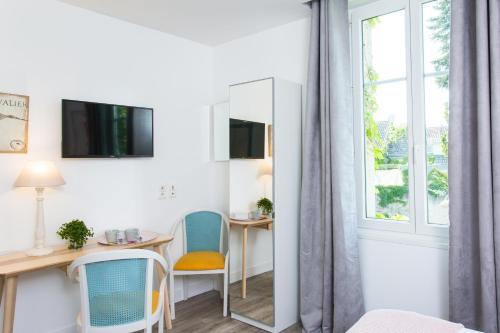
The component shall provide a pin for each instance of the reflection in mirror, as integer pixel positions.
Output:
(251, 201)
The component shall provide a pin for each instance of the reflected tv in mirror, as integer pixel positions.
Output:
(98, 130)
(247, 139)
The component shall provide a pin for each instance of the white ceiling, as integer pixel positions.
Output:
(210, 22)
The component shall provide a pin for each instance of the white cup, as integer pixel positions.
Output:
(111, 236)
(132, 235)
(254, 215)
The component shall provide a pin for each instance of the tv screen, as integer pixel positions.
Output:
(106, 130)
(247, 139)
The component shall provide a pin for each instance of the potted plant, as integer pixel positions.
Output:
(76, 233)
(265, 205)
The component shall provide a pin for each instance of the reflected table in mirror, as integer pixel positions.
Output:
(253, 297)
(265, 223)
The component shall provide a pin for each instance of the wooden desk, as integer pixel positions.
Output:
(14, 264)
(267, 224)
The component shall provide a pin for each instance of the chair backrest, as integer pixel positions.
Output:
(203, 231)
(116, 289)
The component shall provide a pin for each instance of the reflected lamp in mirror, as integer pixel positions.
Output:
(266, 169)
(265, 176)
(39, 175)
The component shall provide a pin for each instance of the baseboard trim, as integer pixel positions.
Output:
(251, 271)
(252, 322)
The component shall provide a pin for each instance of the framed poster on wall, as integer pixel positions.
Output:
(14, 110)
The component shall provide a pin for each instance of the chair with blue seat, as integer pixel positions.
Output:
(204, 250)
(116, 291)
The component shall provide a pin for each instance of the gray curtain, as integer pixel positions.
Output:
(331, 295)
(474, 164)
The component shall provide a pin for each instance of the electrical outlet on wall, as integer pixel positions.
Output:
(163, 192)
(167, 191)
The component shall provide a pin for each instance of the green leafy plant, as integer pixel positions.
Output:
(437, 183)
(394, 194)
(391, 194)
(265, 205)
(76, 232)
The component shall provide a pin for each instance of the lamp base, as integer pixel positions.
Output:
(43, 251)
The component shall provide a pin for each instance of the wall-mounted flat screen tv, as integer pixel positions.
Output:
(247, 139)
(97, 130)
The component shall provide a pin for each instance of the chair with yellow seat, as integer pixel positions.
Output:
(204, 251)
(116, 291)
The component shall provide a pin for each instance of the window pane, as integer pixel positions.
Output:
(436, 122)
(384, 47)
(386, 151)
(436, 36)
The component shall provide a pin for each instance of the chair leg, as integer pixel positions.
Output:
(172, 295)
(225, 305)
(160, 322)
(220, 286)
(185, 287)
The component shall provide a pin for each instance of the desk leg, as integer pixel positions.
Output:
(166, 302)
(2, 280)
(244, 264)
(10, 304)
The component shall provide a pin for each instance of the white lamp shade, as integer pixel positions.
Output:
(39, 174)
(266, 168)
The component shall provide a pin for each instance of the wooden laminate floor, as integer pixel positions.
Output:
(259, 302)
(203, 313)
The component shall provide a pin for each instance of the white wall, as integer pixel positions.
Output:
(51, 51)
(279, 52)
(406, 277)
(394, 275)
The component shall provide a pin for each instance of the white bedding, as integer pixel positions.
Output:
(390, 321)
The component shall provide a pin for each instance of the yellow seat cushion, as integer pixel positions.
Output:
(156, 297)
(200, 261)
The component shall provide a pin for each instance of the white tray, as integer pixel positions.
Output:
(146, 237)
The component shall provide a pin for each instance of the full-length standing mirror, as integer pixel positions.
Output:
(251, 201)
(263, 132)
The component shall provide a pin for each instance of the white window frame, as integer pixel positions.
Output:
(417, 188)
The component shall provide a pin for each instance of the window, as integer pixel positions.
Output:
(401, 52)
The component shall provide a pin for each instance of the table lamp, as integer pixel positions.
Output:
(39, 174)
